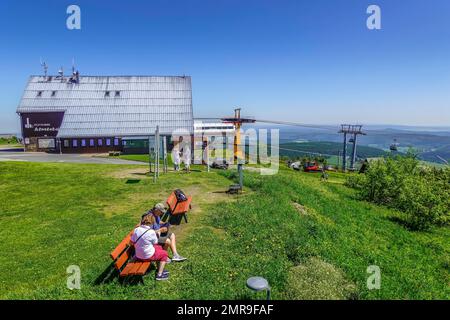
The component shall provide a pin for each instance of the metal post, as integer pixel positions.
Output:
(352, 164)
(207, 154)
(241, 175)
(339, 159)
(156, 154)
(344, 155)
(165, 153)
(149, 156)
(157, 147)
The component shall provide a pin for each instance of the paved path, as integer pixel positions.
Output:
(68, 158)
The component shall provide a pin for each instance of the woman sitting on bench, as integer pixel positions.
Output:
(147, 248)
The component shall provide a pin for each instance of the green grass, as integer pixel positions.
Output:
(135, 157)
(56, 215)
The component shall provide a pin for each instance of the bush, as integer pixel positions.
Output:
(421, 193)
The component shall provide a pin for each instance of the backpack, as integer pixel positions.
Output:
(180, 195)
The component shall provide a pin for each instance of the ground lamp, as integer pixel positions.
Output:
(259, 284)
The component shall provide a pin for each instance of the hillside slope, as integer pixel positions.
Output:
(326, 147)
(309, 238)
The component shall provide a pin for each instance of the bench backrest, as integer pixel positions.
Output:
(121, 247)
(123, 251)
(123, 258)
(172, 201)
(182, 207)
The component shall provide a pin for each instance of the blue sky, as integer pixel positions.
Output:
(306, 61)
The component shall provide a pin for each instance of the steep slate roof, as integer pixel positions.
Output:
(142, 103)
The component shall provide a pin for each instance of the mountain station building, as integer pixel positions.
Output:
(98, 114)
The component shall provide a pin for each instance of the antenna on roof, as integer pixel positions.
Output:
(44, 65)
(73, 66)
(75, 78)
(61, 73)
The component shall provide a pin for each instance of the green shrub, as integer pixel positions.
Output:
(421, 193)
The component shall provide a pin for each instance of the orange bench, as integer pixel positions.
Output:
(122, 254)
(177, 208)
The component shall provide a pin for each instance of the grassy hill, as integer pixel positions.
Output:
(299, 149)
(310, 239)
(443, 152)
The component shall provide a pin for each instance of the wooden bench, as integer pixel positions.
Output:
(177, 209)
(122, 255)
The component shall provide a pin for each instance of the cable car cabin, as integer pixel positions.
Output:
(311, 167)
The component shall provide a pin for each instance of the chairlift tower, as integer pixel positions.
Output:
(239, 156)
(354, 130)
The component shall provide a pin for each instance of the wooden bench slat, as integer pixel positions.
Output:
(143, 268)
(126, 270)
(131, 268)
(122, 259)
(121, 247)
(172, 201)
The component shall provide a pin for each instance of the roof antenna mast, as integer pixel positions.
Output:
(44, 65)
(75, 78)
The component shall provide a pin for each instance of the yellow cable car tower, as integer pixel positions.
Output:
(239, 154)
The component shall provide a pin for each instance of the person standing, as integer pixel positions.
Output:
(187, 158)
(176, 158)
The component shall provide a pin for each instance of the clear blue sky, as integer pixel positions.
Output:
(307, 61)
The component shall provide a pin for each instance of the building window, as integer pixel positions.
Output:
(91, 143)
(66, 143)
(107, 94)
(83, 142)
(100, 142)
(116, 141)
(39, 94)
(53, 93)
(117, 94)
(74, 143)
(108, 142)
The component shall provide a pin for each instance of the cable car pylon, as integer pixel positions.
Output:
(354, 130)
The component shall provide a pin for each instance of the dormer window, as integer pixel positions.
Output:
(106, 93)
(39, 94)
(117, 94)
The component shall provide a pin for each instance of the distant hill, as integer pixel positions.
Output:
(427, 142)
(299, 149)
(433, 155)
